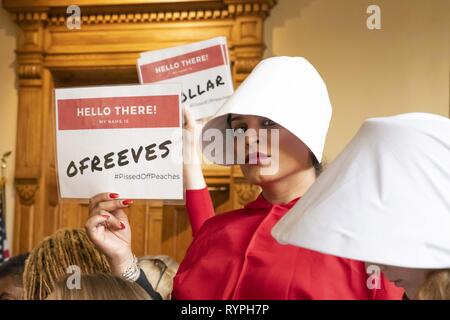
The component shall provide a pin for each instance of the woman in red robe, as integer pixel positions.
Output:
(282, 113)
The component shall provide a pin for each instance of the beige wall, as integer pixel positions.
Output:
(403, 67)
(8, 107)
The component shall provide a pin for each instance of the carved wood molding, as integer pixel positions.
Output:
(26, 189)
(112, 34)
(246, 65)
(29, 71)
(246, 193)
(226, 9)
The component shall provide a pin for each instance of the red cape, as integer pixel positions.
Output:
(234, 256)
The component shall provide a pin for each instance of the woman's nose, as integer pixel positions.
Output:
(251, 137)
(382, 267)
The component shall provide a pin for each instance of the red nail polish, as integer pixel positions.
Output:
(122, 226)
(105, 216)
(127, 202)
(113, 195)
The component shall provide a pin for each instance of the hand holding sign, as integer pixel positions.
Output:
(192, 170)
(109, 229)
(108, 226)
(202, 68)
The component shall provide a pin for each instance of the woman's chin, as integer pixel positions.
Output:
(255, 175)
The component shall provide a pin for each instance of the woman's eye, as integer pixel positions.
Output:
(268, 123)
(240, 130)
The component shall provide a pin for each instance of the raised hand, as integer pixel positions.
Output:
(109, 229)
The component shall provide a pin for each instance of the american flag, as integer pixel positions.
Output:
(4, 252)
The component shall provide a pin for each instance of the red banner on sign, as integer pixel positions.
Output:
(183, 64)
(119, 112)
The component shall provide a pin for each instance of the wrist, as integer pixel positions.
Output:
(120, 263)
(132, 272)
(193, 176)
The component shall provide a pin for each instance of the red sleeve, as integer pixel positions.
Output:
(199, 208)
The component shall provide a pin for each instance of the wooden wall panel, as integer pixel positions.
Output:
(102, 52)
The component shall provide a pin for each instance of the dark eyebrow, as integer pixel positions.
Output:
(233, 118)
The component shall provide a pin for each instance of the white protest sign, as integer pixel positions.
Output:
(202, 68)
(122, 139)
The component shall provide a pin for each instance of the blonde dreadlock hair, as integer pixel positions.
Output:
(48, 262)
(436, 286)
(100, 286)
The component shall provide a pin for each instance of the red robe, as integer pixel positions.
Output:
(234, 256)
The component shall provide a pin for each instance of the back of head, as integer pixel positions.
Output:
(11, 274)
(49, 261)
(436, 286)
(160, 271)
(13, 267)
(101, 286)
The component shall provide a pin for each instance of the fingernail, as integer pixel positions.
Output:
(127, 202)
(122, 226)
(105, 216)
(113, 195)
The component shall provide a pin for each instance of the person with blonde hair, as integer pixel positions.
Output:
(385, 200)
(100, 286)
(49, 261)
(160, 271)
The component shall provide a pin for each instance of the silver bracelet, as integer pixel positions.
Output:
(133, 271)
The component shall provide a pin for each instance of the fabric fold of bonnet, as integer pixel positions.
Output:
(385, 199)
